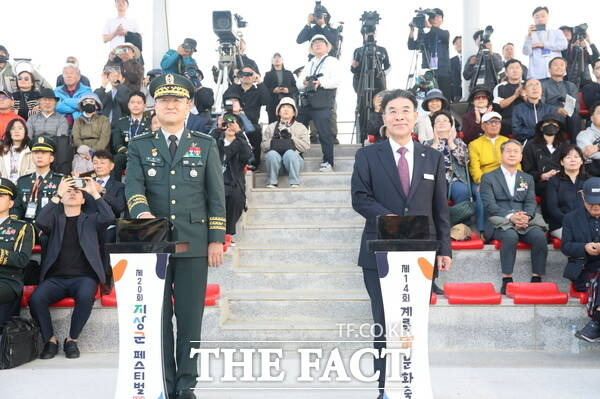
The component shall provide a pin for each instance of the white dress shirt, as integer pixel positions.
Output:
(178, 134)
(329, 68)
(511, 180)
(409, 155)
(104, 180)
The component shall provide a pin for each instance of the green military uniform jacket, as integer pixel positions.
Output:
(16, 242)
(122, 133)
(188, 190)
(25, 191)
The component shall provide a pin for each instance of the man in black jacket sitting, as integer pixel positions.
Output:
(581, 243)
(72, 265)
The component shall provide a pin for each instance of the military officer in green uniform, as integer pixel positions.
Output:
(126, 128)
(35, 189)
(176, 173)
(16, 241)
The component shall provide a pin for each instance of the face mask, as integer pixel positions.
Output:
(3, 59)
(89, 108)
(550, 130)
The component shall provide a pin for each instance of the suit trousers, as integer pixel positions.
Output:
(322, 119)
(371, 279)
(444, 83)
(9, 303)
(235, 202)
(120, 165)
(508, 252)
(53, 289)
(186, 282)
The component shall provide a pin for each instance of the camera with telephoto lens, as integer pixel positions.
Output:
(419, 20)
(311, 87)
(319, 10)
(579, 32)
(191, 72)
(228, 106)
(484, 35)
(369, 20)
(227, 119)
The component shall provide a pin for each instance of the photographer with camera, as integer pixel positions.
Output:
(113, 95)
(281, 83)
(283, 143)
(434, 45)
(234, 152)
(127, 57)
(482, 69)
(542, 44)
(318, 24)
(180, 60)
(591, 91)
(318, 82)
(578, 54)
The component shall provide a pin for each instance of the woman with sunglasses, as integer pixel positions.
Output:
(26, 97)
(480, 102)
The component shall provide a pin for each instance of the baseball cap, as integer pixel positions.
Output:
(490, 115)
(591, 190)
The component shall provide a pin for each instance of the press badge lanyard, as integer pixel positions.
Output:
(32, 203)
(316, 70)
(133, 134)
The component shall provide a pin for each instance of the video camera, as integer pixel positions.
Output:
(579, 32)
(418, 20)
(319, 10)
(223, 25)
(484, 35)
(369, 20)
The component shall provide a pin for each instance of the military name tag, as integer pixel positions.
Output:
(30, 212)
(193, 173)
(151, 172)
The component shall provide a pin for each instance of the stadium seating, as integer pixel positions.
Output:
(536, 294)
(472, 294)
(213, 294)
(474, 243)
(582, 296)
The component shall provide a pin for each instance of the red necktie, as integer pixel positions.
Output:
(403, 171)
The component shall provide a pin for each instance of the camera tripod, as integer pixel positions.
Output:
(371, 72)
(229, 60)
(577, 65)
(484, 65)
(420, 52)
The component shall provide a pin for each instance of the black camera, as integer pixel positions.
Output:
(319, 10)
(191, 72)
(369, 20)
(228, 118)
(223, 25)
(484, 35)
(310, 87)
(418, 20)
(228, 105)
(579, 31)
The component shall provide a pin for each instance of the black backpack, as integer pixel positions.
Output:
(20, 342)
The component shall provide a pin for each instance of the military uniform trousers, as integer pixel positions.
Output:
(186, 283)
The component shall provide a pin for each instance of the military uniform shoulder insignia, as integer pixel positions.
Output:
(124, 118)
(144, 135)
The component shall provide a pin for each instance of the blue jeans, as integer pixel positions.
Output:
(53, 289)
(459, 192)
(479, 209)
(322, 119)
(291, 161)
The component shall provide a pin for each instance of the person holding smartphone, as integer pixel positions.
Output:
(542, 44)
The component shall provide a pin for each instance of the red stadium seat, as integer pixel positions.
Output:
(583, 107)
(27, 291)
(474, 243)
(536, 293)
(37, 249)
(520, 245)
(538, 200)
(472, 294)
(582, 296)
(371, 138)
(213, 293)
(556, 242)
(227, 243)
(433, 298)
(70, 302)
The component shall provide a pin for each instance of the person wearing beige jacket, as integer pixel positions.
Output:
(15, 156)
(91, 128)
(283, 143)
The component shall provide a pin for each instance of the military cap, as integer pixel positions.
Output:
(42, 144)
(7, 187)
(171, 84)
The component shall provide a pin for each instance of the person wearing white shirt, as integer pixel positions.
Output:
(15, 156)
(542, 44)
(320, 95)
(115, 29)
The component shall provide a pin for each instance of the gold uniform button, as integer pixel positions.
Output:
(173, 202)
(172, 172)
(173, 187)
(172, 216)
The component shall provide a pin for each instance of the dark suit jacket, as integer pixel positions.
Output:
(114, 197)
(576, 233)
(118, 105)
(498, 201)
(199, 122)
(376, 191)
(90, 226)
(456, 78)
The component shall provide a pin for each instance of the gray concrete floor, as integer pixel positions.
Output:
(488, 375)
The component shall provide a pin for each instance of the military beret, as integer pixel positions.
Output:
(171, 84)
(7, 187)
(42, 143)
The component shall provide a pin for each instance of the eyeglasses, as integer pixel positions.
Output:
(480, 97)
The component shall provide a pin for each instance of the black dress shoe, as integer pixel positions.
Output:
(536, 279)
(50, 350)
(336, 141)
(505, 282)
(437, 290)
(71, 349)
(187, 394)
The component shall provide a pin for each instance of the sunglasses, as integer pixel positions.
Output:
(480, 97)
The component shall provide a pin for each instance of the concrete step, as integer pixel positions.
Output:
(305, 234)
(341, 164)
(471, 266)
(287, 214)
(340, 150)
(301, 196)
(309, 179)
(277, 256)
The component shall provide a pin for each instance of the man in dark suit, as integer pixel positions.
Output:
(581, 243)
(402, 177)
(114, 101)
(72, 265)
(508, 196)
(111, 190)
(455, 69)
